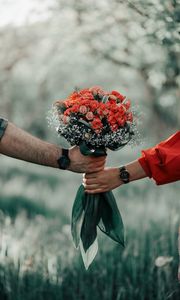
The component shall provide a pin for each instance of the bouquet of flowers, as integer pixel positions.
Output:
(95, 121)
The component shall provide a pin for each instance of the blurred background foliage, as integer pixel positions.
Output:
(47, 49)
(129, 45)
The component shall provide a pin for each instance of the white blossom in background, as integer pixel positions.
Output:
(162, 261)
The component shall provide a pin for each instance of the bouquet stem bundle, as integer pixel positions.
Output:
(91, 212)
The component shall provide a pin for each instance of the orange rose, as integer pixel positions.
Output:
(105, 112)
(83, 109)
(89, 116)
(65, 119)
(97, 90)
(118, 95)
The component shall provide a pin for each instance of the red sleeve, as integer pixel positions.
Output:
(162, 162)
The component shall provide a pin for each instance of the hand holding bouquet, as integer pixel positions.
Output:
(95, 121)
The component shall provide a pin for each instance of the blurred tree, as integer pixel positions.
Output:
(129, 44)
(143, 36)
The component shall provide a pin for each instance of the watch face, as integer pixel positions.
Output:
(124, 175)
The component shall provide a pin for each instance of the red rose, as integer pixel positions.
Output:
(67, 112)
(112, 99)
(86, 94)
(75, 108)
(94, 105)
(129, 116)
(121, 110)
(112, 120)
(74, 96)
(121, 121)
(100, 112)
(113, 107)
(118, 95)
(96, 124)
(114, 127)
(127, 104)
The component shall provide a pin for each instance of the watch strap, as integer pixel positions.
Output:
(3, 126)
(65, 152)
(64, 160)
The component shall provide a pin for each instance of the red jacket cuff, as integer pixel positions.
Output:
(144, 164)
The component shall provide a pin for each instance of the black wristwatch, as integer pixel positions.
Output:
(124, 174)
(3, 126)
(64, 160)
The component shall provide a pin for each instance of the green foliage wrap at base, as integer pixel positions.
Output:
(99, 210)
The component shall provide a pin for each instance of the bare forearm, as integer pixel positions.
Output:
(135, 170)
(21, 145)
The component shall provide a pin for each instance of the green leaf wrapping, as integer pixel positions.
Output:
(91, 220)
(77, 211)
(99, 210)
(111, 221)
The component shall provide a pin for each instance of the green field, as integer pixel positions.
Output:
(37, 258)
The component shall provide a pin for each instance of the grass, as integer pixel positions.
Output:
(38, 261)
(13, 205)
(116, 274)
